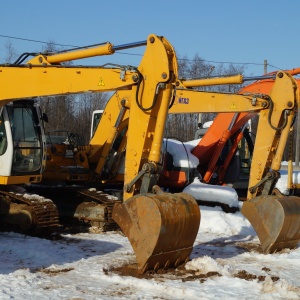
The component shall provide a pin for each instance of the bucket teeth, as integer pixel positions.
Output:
(161, 228)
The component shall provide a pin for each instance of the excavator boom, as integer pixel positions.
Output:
(275, 218)
(148, 220)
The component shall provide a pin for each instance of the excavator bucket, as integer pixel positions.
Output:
(161, 228)
(276, 221)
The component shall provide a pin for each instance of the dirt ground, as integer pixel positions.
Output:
(182, 273)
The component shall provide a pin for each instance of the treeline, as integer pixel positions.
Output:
(183, 126)
(74, 112)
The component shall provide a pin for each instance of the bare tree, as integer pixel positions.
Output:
(51, 47)
(11, 53)
(230, 70)
(183, 126)
(85, 105)
(60, 109)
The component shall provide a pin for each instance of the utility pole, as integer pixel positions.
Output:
(265, 66)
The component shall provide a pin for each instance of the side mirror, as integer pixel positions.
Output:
(45, 117)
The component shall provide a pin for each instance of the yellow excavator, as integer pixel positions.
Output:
(162, 227)
(22, 160)
(178, 215)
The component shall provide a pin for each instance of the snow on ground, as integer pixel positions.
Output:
(225, 263)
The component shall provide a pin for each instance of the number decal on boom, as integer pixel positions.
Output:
(183, 100)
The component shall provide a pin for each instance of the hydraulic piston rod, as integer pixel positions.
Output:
(104, 49)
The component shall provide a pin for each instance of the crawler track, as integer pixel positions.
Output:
(81, 207)
(30, 214)
(105, 221)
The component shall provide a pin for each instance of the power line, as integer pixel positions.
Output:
(209, 61)
(35, 41)
(132, 54)
(224, 62)
(274, 67)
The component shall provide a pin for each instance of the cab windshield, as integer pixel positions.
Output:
(26, 134)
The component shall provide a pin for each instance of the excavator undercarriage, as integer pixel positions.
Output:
(80, 207)
(30, 214)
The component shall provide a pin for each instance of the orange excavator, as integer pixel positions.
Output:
(232, 127)
(217, 148)
(270, 142)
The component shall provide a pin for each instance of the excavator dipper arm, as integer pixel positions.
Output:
(161, 227)
(275, 218)
(275, 120)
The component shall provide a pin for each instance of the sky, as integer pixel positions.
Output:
(246, 32)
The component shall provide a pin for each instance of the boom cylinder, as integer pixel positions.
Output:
(73, 55)
(106, 49)
(237, 79)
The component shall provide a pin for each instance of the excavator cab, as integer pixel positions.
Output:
(21, 142)
(22, 161)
